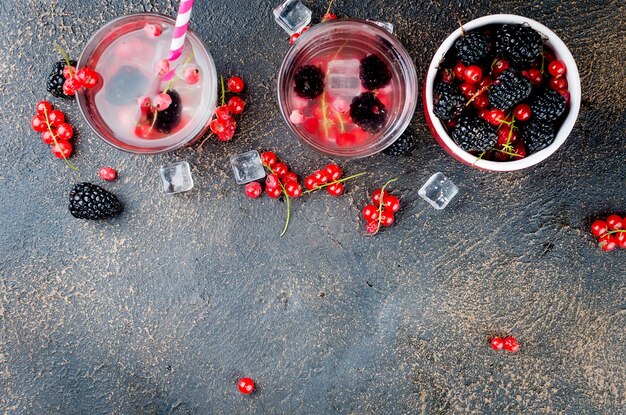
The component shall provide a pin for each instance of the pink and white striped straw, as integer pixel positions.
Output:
(180, 30)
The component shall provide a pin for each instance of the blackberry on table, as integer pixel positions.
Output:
(520, 43)
(472, 48)
(448, 101)
(548, 106)
(368, 112)
(474, 134)
(374, 73)
(88, 201)
(403, 145)
(538, 134)
(54, 85)
(309, 81)
(509, 89)
(168, 118)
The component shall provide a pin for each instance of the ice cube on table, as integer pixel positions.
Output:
(247, 167)
(342, 78)
(292, 16)
(385, 25)
(176, 178)
(438, 191)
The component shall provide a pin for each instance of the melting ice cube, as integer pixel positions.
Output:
(342, 78)
(176, 177)
(438, 191)
(292, 16)
(247, 167)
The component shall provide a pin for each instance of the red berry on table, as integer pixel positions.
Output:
(459, 70)
(107, 173)
(310, 182)
(614, 222)
(289, 177)
(558, 83)
(607, 242)
(49, 136)
(511, 344)
(557, 68)
(335, 189)
(293, 189)
(246, 386)
(468, 89)
(370, 213)
(38, 123)
(274, 193)
(70, 86)
(497, 343)
(481, 102)
(522, 112)
(65, 131)
(235, 84)
(226, 135)
(329, 16)
(377, 194)
(391, 203)
(87, 77)
(372, 226)
(280, 168)
(269, 159)
(236, 105)
(598, 228)
(62, 149)
(499, 66)
(386, 218)
(621, 239)
(253, 190)
(473, 74)
(293, 38)
(334, 171)
(321, 176)
(56, 118)
(43, 107)
(223, 113)
(69, 71)
(217, 126)
(272, 181)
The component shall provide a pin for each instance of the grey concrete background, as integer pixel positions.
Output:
(160, 310)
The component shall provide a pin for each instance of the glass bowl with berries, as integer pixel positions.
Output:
(142, 102)
(347, 88)
(502, 93)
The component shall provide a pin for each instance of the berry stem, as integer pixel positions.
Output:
(171, 82)
(66, 59)
(287, 198)
(56, 143)
(381, 203)
(333, 182)
(341, 126)
(483, 89)
(614, 231)
(507, 153)
(325, 121)
(223, 91)
(330, 4)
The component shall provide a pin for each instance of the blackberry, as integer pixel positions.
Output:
(448, 101)
(309, 81)
(538, 134)
(548, 106)
(473, 48)
(403, 145)
(54, 85)
(168, 118)
(474, 134)
(374, 73)
(521, 44)
(126, 86)
(88, 201)
(509, 89)
(368, 112)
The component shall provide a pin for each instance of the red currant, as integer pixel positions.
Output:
(43, 107)
(293, 189)
(522, 112)
(557, 68)
(310, 182)
(293, 38)
(107, 173)
(558, 83)
(565, 94)
(535, 77)
(56, 118)
(370, 213)
(329, 16)
(217, 126)
(38, 123)
(289, 177)
(87, 77)
(280, 169)
(468, 89)
(236, 105)
(615, 222)
(48, 136)
(496, 117)
(321, 176)
(448, 75)
(269, 159)
(334, 171)
(511, 344)
(223, 113)
(62, 149)
(391, 203)
(598, 228)
(272, 181)
(70, 86)
(459, 70)
(372, 226)
(485, 82)
(69, 71)
(377, 194)
(481, 102)
(621, 239)
(386, 218)
(473, 74)
(226, 135)
(499, 66)
(484, 114)
(607, 242)
(497, 343)
(274, 193)
(519, 149)
(235, 84)
(65, 131)
(335, 189)
(246, 386)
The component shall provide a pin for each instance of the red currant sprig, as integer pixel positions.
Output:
(55, 131)
(329, 178)
(509, 343)
(224, 124)
(76, 79)
(381, 213)
(610, 233)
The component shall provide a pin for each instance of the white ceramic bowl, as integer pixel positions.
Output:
(573, 80)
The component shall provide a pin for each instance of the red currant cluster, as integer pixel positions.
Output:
(382, 212)
(224, 125)
(610, 233)
(76, 79)
(508, 343)
(327, 177)
(53, 128)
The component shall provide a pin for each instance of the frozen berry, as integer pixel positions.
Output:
(65, 131)
(497, 343)
(62, 149)
(191, 75)
(236, 105)
(269, 159)
(246, 386)
(607, 242)
(167, 119)
(557, 68)
(335, 189)
(615, 222)
(511, 344)
(235, 84)
(334, 171)
(107, 173)
(253, 190)
(38, 123)
(152, 30)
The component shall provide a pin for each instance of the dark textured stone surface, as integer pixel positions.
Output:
(162, 309)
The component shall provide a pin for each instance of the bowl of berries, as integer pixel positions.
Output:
(502, 93)
(347, 88)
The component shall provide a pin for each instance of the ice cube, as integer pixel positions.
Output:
(342, 78)
(292, 16)
(176, 178)
(438, 191)
(385, 25)
(247, 167)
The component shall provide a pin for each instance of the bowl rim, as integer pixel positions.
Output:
(561, 51)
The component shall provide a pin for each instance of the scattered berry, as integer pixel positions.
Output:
(88, 201)
(607, 242)
(310, 183)
(107, 173)
(70, 86)
(280, 169)
(293, 189)
(599, 228)
(246, 386)
(43, 108)
(253, 190)
(274, 193)
(370, 213)
(610, 233)
(49, 136)
(511, 344)
(497, 343)
(223, 113)
(236, 105)
(334, 171)
(235, 84)
(64, 131)
(272, 181)
(38, 123)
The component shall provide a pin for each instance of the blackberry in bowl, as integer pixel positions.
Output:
(502, 76)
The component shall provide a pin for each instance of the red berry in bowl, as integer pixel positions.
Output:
(481, 102)
(598, 228)
(56, 118)
(38, 123)
(522, 112)
(280, 169)
(485, 82)
(43, 107)
(107, 173)
(565, 94)
(269, 158)
(557, 68)
(87, 77)
(65, 131)
(293, 189)
(245, 385)
(377, 195)
(335, 189)
(558, 83)
(614, 222)
(236, 105)
(473, 74)
(496, 117)
(468, 89)
(499, 66)
(370, 213)
(534, 76)
(511, 344)
(519, 149)
(235, 84)
(334, 171)
(497, 343)
(459, 70)
(49, 136)
(448, 75)
(62, 149)
(607, 242)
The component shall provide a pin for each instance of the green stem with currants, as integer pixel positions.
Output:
(381, 203)
(56, 143)
(333, 182)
